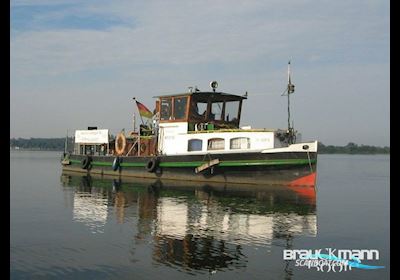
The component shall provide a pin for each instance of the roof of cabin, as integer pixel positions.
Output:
(207, 95)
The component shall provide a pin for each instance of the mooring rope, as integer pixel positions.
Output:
(309, 160)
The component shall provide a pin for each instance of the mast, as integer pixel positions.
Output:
(66, 143)
(290, 90)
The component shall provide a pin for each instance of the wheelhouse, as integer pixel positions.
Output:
(201, 110)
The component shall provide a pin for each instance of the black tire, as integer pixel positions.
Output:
(86, 162)
(151, 165)
(116, 164)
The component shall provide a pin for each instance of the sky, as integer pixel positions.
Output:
(79, 63)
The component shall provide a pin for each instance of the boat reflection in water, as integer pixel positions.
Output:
(195, 227)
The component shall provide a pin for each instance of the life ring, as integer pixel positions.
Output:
(116, 164)
(86, 162)
(152, 165)
(120, 144)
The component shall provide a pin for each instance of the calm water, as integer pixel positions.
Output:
(74, 227)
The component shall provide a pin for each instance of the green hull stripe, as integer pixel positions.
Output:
(102, 163)
(240, 163)
(133, 164)
(222, 163)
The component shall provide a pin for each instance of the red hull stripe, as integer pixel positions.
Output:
(308, 180)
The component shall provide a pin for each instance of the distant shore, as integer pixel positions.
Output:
(35, 149)
(352, 148)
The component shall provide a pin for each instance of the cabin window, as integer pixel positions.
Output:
(216, 111)
(240, 143)
(166, 109)
(180, 107)
(216, 144)
(231, 111)
(195, 145)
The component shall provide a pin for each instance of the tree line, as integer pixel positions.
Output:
(57, 144)
(50, 144)
(352, 148)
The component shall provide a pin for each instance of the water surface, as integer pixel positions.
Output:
(65, 226)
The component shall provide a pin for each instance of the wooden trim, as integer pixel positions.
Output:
(158, 106)
(189, 100)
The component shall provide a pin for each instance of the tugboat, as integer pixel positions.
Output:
(196, 136)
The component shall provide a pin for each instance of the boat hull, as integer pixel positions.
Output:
(281, 168)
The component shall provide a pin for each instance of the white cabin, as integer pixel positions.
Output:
(208, 122)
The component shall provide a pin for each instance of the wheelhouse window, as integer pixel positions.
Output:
(202, 108)
(216, 111)
(198, 110)
(166, 109)
(195, 145)
(231, 111)
(180, 108)
(240, 143)
(216, 144)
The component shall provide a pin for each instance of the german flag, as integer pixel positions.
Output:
(143, 110)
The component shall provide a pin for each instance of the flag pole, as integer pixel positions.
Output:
(141, 118)
(134, 121)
